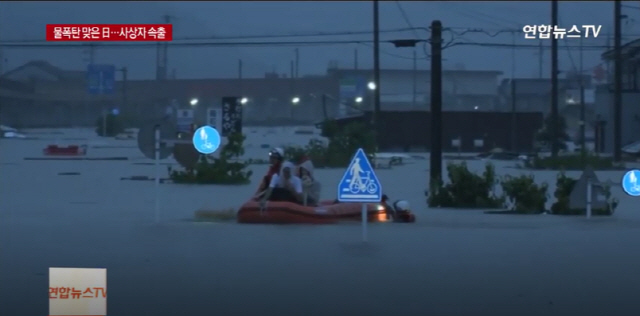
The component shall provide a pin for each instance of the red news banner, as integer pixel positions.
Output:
(109, 32)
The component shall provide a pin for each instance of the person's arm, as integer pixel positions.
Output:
(296, 188)
(269, 190)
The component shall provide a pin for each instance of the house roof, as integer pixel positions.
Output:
(629, 49)
(62, 75)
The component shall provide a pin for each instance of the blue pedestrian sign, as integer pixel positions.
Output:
(630, 183)
(359, 183)
(206, 140)
(101, 79)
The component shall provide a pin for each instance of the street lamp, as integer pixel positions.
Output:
(244, 100)
(359, 100)
(371, 85)
(295, 100)
(193, 102)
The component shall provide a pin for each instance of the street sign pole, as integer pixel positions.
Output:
(157, 177)
(104, 123)
(364, 222)
(589, 194)
(360, 184)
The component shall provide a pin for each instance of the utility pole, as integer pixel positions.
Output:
(435, 157)
(583, 150)
(617, 94)
(162, 55)
(240, 78)
(124, 90)
(297, 63)
(415, 77)
(293, 88)
(554, 84)
(355, 59)
(92, 53)
(514, 122)
(514, 127)
(540, 58)
(376, 71)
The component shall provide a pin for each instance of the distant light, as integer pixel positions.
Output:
(475, 107)
(115, 111)
(295, 100)
(371, 85)
(193, 102)
(244, 100)
(571, 100)
(358, 99)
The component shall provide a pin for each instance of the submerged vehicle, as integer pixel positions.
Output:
(327, 212)
(72, 150)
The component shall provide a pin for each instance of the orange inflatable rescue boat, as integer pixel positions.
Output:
(328, 212)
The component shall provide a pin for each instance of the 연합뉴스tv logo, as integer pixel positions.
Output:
(77, 291)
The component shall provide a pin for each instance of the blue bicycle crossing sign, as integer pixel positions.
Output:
(359, 183)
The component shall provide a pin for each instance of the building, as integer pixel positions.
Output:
(409, 90)
(60, 97)
(462, 131)
(534, 95)
(630, 97)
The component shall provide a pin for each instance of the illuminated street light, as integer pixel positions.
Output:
(193, 102)
(295, 100)
(359, 100)
(244, 100)
(371, 85)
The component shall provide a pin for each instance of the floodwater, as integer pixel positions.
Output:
(450, 262)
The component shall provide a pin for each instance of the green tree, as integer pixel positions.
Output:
(545, 135)
(109, 126)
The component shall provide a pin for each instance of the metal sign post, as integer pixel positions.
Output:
(589, 197)
(104, 123)
(364, 222)
(157, 167)
(360, 185)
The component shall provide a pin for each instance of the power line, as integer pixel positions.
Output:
(406, 18)
(277, 43)
(103, 45)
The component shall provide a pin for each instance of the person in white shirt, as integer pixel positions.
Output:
(284, 187)
(310, 186)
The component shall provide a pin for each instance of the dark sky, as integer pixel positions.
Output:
(26, 21)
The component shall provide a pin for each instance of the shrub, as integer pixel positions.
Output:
(570, 162)
(564, 186)
(526, 196)
(342, 144)
(112, 126)
(466, 189)
(223, 170)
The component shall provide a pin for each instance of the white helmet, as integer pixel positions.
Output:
(278, 152)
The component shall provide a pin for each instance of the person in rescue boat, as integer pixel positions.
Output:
(284, 187)
(310, 187)
(276, 157)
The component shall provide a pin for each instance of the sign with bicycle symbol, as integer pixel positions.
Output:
(359, 183)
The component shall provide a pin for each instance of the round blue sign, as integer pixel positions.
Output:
(630, 183)
(206, 140)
